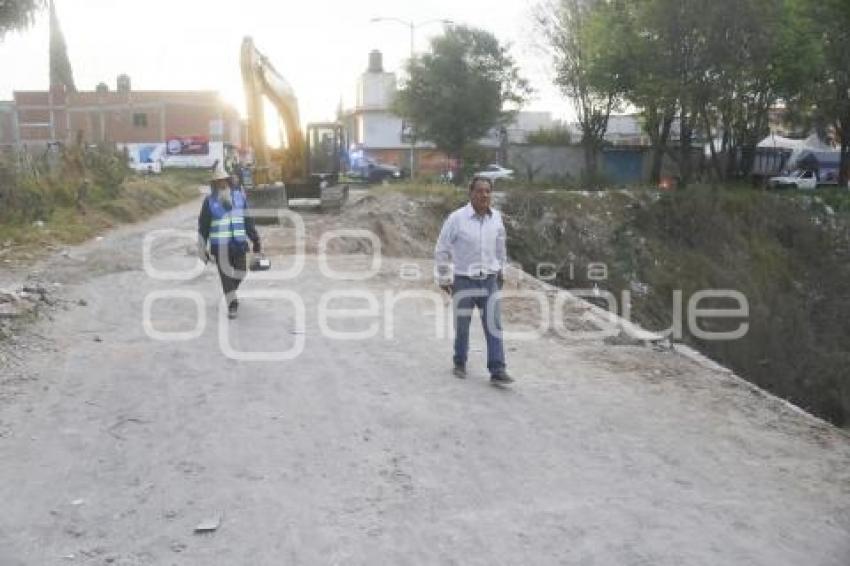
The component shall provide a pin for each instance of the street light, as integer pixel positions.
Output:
(412, 26)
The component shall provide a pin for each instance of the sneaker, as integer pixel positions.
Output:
(459, 372)
(501, 378)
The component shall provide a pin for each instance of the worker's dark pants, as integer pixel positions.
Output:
(483, 293)
(232, 264)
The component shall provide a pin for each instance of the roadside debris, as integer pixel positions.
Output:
(15, 304)
(209, 525)
(623, 338)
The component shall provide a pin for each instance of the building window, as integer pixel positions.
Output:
(140, 120)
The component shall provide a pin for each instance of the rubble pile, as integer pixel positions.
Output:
(22, 303)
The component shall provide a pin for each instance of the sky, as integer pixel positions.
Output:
(319, 46)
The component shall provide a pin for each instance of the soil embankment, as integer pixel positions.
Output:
(785, 253)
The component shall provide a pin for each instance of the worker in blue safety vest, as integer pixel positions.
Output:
(225, 225)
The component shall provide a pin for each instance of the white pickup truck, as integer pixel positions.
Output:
(799, 179)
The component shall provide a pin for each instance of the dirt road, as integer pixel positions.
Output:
(114, 446)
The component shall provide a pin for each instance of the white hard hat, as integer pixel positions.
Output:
(219, 174)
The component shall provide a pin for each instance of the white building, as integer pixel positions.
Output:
(625, 129)
(375, 126)
(372, 126)
(528, 122)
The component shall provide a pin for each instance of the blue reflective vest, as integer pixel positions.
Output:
(228, 226)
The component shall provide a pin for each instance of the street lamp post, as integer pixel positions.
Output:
(412, 26)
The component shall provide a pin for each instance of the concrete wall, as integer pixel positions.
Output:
(624, 165)
(551, 163)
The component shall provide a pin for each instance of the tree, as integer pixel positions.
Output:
(460, 90)
(61, 73)
(651, 83)
(756, 56)
(711, 65)
(566, 27)
(677, 30)
(828, 96)
(17, 14)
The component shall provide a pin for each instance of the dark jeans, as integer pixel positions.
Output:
(232, 265)
(469, 293)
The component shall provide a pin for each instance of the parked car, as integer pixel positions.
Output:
(495, 172)
(373, 172)
(380, 172)
(799, 179)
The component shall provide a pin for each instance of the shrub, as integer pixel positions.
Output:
(33, 186)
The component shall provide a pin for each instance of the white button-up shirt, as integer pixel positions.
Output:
(470, 244)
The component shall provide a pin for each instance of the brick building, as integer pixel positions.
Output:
(129, 118)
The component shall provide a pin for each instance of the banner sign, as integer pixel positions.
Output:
(188, 145)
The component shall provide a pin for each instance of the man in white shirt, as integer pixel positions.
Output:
(469, 259)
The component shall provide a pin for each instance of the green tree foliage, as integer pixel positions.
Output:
(33, 186)
(630, 43)
(568, 28)
(755, 56)
(699, 70)
(17, 14)
(61, 72)
(461, 89)
(825, 99)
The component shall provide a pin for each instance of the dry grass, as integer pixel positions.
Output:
(137, 199)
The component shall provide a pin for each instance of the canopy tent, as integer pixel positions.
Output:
(813, 142)
(775, 154)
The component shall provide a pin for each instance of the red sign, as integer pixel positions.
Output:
(188, 145)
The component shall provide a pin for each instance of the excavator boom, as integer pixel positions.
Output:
(261, 79)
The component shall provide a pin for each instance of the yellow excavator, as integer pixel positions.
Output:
(308, 167)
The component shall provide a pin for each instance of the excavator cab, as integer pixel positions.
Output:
(325, 148)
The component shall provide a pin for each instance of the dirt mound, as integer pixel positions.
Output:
(407, 225)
